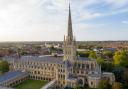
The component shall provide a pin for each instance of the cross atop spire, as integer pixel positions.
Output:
(70, 34)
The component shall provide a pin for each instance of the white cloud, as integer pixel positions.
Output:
(116, 4)
(82, 12)
(125, 22)
(88, 15)
(85, 26)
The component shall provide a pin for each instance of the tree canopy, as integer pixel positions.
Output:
(108, 53)
(4, 66)
(100, 60)
(83, 54)
(92, 55)
(121, 58)
(116, 85)
(103, 84)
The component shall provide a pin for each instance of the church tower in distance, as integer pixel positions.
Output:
(69, 45)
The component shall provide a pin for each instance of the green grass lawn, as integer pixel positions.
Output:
(31, 84)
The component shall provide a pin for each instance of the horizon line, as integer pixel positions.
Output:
(61, 41)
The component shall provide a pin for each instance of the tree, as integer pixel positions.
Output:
(108, 53)
(118, 72)
(125, 79)
(4, 66)
(125, 75)
(92, 55)
(104, 84)
(83, 54)
(117, 58)
(107, 67)
(100, 60)
(116, 85)
(121, 58)
(124, 57)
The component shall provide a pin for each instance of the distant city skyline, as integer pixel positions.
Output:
(46, 20)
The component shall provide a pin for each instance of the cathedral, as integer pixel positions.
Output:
(67, 71)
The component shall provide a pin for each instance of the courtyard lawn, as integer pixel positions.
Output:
(31, 84)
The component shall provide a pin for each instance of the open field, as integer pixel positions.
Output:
(31, 84)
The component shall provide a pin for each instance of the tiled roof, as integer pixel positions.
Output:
(11, 75)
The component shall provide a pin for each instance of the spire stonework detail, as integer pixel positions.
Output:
(70, 34)
(69, 41)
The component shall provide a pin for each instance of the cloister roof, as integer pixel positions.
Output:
(11, 75)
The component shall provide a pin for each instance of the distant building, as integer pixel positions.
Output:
(68, 71)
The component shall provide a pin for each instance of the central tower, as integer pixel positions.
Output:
(69, 45)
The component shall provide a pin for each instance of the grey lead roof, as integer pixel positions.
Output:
(50, 59)
(83, 58)
(11, 75)
(44, 58)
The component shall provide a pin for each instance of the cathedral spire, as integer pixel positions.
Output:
(70, 34)
(69, 41)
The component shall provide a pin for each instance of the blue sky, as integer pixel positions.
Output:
(41, 20)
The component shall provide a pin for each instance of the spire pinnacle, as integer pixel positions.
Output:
(70, 34)
(69, 6)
